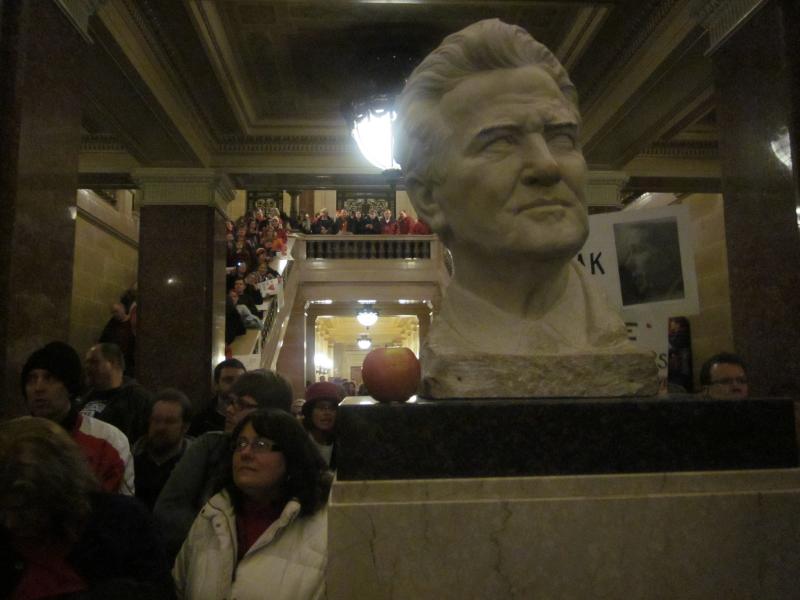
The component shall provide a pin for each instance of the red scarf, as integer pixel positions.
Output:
(47, 572)
(252, 521)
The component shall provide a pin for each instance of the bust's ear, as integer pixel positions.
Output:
(421, 195)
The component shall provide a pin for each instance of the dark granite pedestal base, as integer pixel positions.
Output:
(512, 438)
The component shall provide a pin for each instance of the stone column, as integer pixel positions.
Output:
(753, 45)
(41, 55)
(181, 311)
(294, 209)
(603, 190)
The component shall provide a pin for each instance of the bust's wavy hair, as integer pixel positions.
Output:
(483, 46)
(41, 467)
(307, 477)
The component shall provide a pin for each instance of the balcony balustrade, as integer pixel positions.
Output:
(369, 247)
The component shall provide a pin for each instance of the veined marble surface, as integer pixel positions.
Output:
(709, 535)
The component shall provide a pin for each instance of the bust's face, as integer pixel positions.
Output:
(514, 173)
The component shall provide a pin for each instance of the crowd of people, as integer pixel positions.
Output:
(252, 242)
(258, 237)
(359, 223)
(107, 490)
(105, 487)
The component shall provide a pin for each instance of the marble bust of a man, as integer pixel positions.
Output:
(488, 138)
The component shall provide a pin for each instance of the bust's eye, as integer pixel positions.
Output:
(562, 138)
(500, 141)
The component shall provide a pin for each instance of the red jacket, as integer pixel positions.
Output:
(420, 228)
(106, 450)
(405, 225)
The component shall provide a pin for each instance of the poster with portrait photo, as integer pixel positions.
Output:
(647, 259)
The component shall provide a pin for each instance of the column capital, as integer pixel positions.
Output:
(603, 188)
(195, 187)
(78, 12)
(721, 18)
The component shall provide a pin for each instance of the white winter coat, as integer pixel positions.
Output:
(286, 563)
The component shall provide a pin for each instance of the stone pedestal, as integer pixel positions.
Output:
(657, 536)
(565, 499)
(448, 374)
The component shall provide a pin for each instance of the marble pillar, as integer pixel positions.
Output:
(755, 83)
(41, 54)
(181, 314)
(294, 204)
(603, 191)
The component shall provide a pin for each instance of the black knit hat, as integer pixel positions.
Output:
(61, 361)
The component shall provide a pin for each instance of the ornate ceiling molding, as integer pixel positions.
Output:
(586, 25)
(666, 29)
(101, 142)
(285, 144)
(721, 18)
(133, 31)
(211, 29)
(78, 12)
(643, 26)
(684, 150)
(204, 187)
(603, 188)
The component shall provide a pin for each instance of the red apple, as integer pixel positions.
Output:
(391, 374)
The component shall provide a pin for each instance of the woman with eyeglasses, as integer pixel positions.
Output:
(319, 417)
(265, 534)
(200, 472)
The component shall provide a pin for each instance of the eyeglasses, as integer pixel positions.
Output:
(241, 403)
(259, 445)
(730, 381)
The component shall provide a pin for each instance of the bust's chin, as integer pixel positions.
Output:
(562, 249)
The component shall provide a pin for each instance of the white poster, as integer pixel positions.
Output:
(644, 260)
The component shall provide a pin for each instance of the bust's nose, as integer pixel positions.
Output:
(539, 167)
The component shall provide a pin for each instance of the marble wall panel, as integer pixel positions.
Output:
(104, 267)
(711, 328)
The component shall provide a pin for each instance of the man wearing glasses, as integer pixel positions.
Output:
(724, 377)
(200, 472)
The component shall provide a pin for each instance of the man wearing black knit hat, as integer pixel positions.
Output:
(51, 379)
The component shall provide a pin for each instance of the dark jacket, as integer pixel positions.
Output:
(118, 554)
(322, 225)
(199, 474)
(127, 408)
(151, 475)
(370, 226)
(207, 420)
